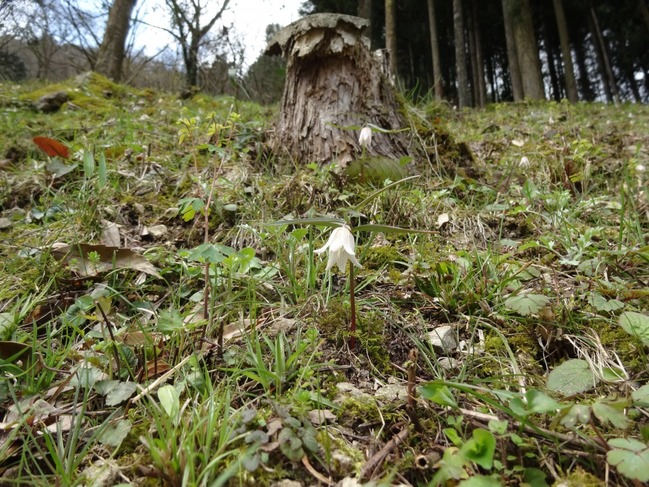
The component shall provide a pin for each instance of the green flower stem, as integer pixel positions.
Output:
(352, 301)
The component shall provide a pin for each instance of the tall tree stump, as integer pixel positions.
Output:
(334, 86)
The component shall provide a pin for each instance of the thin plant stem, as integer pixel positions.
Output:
(352, 301)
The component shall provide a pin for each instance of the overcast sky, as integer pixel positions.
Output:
(249, 19)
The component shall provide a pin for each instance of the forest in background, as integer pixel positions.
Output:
(467, 52)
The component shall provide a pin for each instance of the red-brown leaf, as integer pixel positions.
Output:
(52, 147)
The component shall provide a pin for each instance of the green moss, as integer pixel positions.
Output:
(579, 478)
(377, 257)
(370, 333)
(353, 410)
(629, 348)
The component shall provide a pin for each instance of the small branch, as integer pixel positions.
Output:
(315, 473)
(377, 459)
(163, 378)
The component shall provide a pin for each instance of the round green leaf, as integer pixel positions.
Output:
(572, 377)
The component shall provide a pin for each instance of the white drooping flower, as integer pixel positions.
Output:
(341, 248)
(365, 138)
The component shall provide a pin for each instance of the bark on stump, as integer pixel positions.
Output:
(334, 86)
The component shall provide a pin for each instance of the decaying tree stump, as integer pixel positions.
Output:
(334, 86)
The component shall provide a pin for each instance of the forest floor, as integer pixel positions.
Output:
(502, 306)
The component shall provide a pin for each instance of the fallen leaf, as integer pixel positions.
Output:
(13, 350)
(91, 260)
(52, 147)
(442, 219)
(154, 231)
(59, 169)
(110, 234)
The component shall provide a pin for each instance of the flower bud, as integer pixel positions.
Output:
(365, 138)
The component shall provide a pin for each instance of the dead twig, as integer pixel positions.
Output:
(377, 459)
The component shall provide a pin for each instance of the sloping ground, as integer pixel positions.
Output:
(502, 327)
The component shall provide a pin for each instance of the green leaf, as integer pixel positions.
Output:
(383, 189)
(213, 253)
(572, 377)
(86, 377)
(169, 400)
(169, 321)
(534, 477)
(635, 324)
(8, 324)
(290, 445)
(480, 448)
(630, 457)
(102, 170)
(538, 402)
(88, 164)
(498, 426)
(641, 396)
(120, 393)
(388, 229)
(607, 412)
(527, 304)
(317, 221)
(453, 436)
(481, 481)
(451, 466)
(439, 394)
(375, 169)
(114, 434)
(577, 414)
(600, 303)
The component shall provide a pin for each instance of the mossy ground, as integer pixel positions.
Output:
(546, 199)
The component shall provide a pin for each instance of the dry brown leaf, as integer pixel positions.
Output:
(13, 350)
(91, 260)
(110, 234)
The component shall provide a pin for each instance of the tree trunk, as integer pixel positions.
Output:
(600, 47)
(463, 95)
(364, 10)
(391, 34)
(568, 68)
(438, 80)
(111, 51)
(584, 79)
(334, 86)
(512, 55)
(526, 49)
(478, 74)
(644, 12)
(552, 69)
(191, 62)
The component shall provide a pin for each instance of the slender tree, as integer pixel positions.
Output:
(463, 95)
(391, 33)
(527, 50)
(477, 63)
(365, 11)
(189, 30)
(566, 56)
(438, 81)
(608, 79)
(644, 12)
(512, 55)
(111, 51)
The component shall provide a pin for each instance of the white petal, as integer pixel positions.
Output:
(353, 260)
(365, 137)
